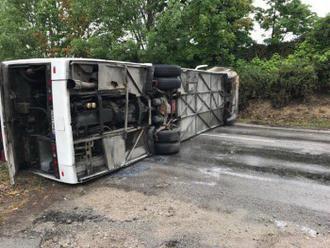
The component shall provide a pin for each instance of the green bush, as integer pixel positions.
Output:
(322, 68)
(296, 77)
(255, 83)
(309, 54)
(294, 82)
(278, 80)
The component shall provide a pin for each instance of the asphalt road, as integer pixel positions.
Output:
(242, 186)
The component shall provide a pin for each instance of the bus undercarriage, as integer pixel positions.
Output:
(100, 116)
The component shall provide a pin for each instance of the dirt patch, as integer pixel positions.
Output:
(314, 114)
(105, 216)
(133, 219)
(30, 194)
(59, 217)
(286, 238)
(14, 198)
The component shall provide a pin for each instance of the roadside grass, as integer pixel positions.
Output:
(311, 124)
(314, 114)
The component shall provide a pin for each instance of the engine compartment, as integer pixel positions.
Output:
(99, 112)
(109, 115)
(95, 110)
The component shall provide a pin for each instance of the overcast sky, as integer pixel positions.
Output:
(321, 7)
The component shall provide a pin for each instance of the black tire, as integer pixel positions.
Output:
(230, 123)
(167, 71)
(168, 136)
(167, 148)
(168, 83)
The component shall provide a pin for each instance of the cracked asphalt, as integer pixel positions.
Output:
(241, 186)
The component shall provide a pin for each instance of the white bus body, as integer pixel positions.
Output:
(72, 119)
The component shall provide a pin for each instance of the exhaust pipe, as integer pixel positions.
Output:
(80, 85)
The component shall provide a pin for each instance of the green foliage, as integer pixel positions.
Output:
(166, 41)
(318, 42)
(279, 80)
(297, 77)
(188, 33)
(183, 32)
(319, 37)
(60, 27)
(294, 82)
(270, 65)
(322, 67)
(255, 81)
(285, 17)
(200, 32)
(16, 41)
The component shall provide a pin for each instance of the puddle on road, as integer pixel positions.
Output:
(217, 172)
(132, 170)
(211, 184)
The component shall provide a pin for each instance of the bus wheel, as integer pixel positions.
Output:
(170, 83)
(168, 136)
(167, 71)
(167, 148)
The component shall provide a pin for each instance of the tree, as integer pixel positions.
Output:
(319, 41)
(61, 27)
(187, 32)
(283, 18)
(195, 32)
(16, 40)
(319, 37)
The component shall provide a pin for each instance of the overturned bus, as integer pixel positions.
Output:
(72, 120)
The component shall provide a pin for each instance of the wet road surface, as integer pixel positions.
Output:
(241, 186)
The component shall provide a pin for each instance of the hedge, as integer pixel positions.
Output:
(279, 81)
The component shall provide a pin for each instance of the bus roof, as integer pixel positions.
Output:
(50, 60)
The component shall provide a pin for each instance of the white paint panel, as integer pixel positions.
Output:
(59, 69)
(63, 130)
(59, 123)
(68, 174)
(3, 133)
